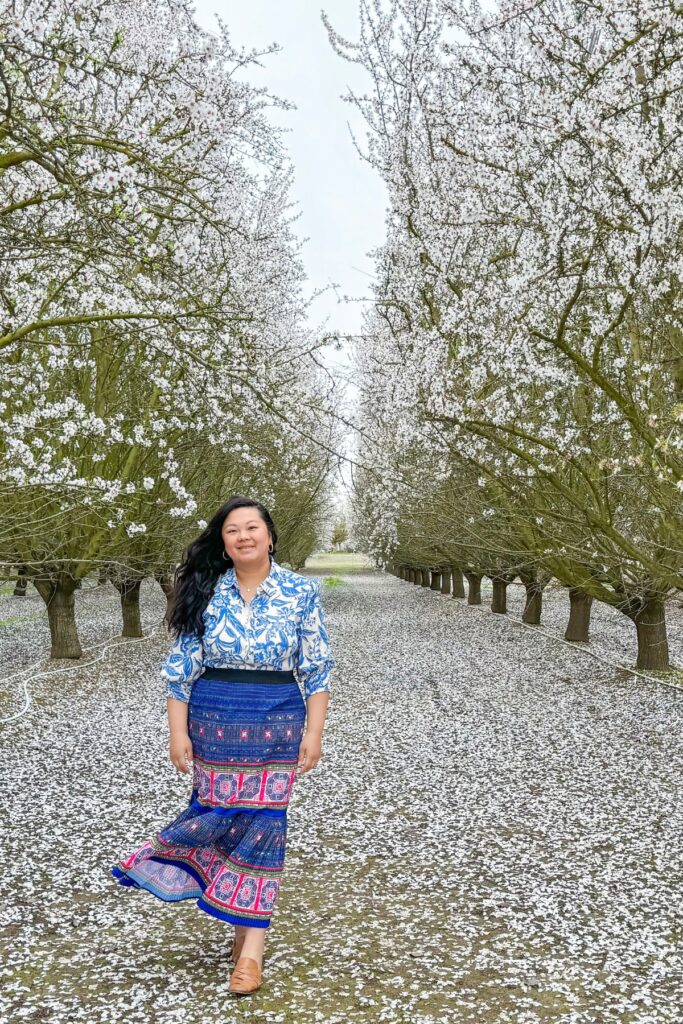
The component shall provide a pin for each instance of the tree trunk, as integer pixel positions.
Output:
(473, 588)
(534, 603)
(425, 577)
(446, 581)
(58, 596)
(579, 616)
(102, 576)
(129, 591)
(653, 646)
(458, 582)
(436, 581)
(165, 581)
(21, 584)
(499, 599)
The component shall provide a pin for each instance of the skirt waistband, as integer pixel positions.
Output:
(248, 675)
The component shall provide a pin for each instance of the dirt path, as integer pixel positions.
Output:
(493, 835)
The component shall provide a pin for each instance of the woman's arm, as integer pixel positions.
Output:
(180, 744)
(177, 715)
(314, 665)
(316, 711)
(183, 665)
(310, 749)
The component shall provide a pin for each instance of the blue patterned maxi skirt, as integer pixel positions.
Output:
(227, 848)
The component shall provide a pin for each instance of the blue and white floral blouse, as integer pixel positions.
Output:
(283, 628)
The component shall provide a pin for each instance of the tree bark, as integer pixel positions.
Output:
(58, 596)
(129, 591)
(102, 575)
(425, 577)
(473, 587)
(446, 581)
(534, 606)
(435, 581)
(165, 581)
(579, 616)
(499, 598)
(458, 582)
(534, 603)
(22, 582)
(650, 623)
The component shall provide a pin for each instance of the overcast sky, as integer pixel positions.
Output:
(341, 200)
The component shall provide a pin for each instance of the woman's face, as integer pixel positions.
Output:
(246, 538)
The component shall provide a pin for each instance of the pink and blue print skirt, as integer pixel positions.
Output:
(227, 848)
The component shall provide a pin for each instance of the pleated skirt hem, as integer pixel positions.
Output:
(226, 849)
(127, 878)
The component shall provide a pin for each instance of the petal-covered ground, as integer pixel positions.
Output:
(494, 834)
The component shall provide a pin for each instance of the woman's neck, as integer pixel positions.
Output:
(253, 575)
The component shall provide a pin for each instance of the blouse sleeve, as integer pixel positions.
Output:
(183, 665)
(314, 658)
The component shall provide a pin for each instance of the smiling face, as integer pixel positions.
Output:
(246, 538)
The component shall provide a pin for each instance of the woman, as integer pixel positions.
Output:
(246, 630)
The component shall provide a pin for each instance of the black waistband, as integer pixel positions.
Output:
(248, 675)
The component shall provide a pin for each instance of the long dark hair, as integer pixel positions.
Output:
(202, 564)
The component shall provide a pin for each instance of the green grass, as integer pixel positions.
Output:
(333, 581)
(339, 562)
(19, 619)
(674, 674)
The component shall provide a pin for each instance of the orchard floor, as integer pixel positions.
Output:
(493, 835)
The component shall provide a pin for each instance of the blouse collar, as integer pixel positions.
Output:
(267, 586)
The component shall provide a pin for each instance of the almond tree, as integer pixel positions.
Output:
(151, 302)
(531, 274)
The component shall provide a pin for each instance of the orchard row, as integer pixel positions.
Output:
(155, 351)
(521, 369)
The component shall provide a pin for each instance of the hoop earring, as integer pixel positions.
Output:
(227, 559)
(270, 549)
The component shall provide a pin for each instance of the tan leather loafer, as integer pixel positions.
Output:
(246, 977)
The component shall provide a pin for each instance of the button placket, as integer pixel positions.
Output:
(248, 619)
(248, 624)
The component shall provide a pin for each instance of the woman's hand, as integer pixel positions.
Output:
(181, 751)
(310, 752)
